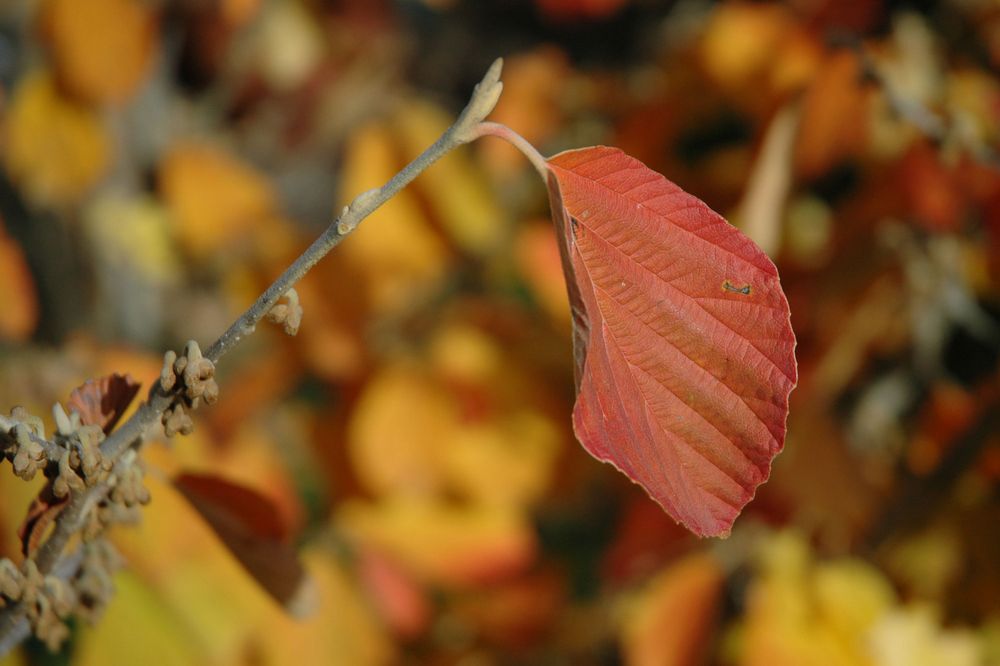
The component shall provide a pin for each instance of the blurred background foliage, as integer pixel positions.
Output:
(163, 160)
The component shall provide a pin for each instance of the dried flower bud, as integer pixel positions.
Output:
(11, 580)
(167, 376)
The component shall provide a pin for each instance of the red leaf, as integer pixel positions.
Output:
(684, 350)
(251, 527)
(44, 509)
(103, 401)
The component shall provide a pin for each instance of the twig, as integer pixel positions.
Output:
(131, 433)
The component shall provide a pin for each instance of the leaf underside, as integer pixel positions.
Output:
(684, 349)
(250, 526)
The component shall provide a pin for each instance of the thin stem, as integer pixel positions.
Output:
(132, 433)
(518, 141)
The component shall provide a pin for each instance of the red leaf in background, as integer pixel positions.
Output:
(102, 401)
(399, 599)
(684, 349)
(251, 527)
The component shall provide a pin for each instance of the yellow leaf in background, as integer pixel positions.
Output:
(741, 39)
(15, 498)
(342, 631)
(102, 48)
(502, 449)
(915, 637)
(136, 266)
(137, 628)
(396, 248)
(290, 45)
(454, 187)
(798, 617)
(133, 234)
(214, 198)
(973, 97)
(15, 658)
(927, 563)
(55, 149)
(671, 621)
(189, 572)
(398, 431)
(19, 309)
(464, 353)
(442, 542)
(506, 461)
(851, 596)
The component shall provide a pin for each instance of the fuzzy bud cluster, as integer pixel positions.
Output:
(287, 314)
(191, 377)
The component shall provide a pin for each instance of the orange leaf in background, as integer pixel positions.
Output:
(931, 188)
(102, 402)
(467, 426)
(536, 251)
(519, 612)
(103, 48)
(444, 543)
(214, 197)
(685, 353)
(239, 12)
(19, 312)
(672, 620)
(55, 149)
(833, 124)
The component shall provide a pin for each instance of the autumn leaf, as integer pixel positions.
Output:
(395, 267)
(55, 149)
(251, 526)
(442, 543)
(672, 619)
(102, 402)
(213, 197)
(684, 350)
(454, 190)
(103, 52)
(19, 313)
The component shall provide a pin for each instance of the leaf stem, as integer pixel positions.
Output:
(518, 141)
(132, 433)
